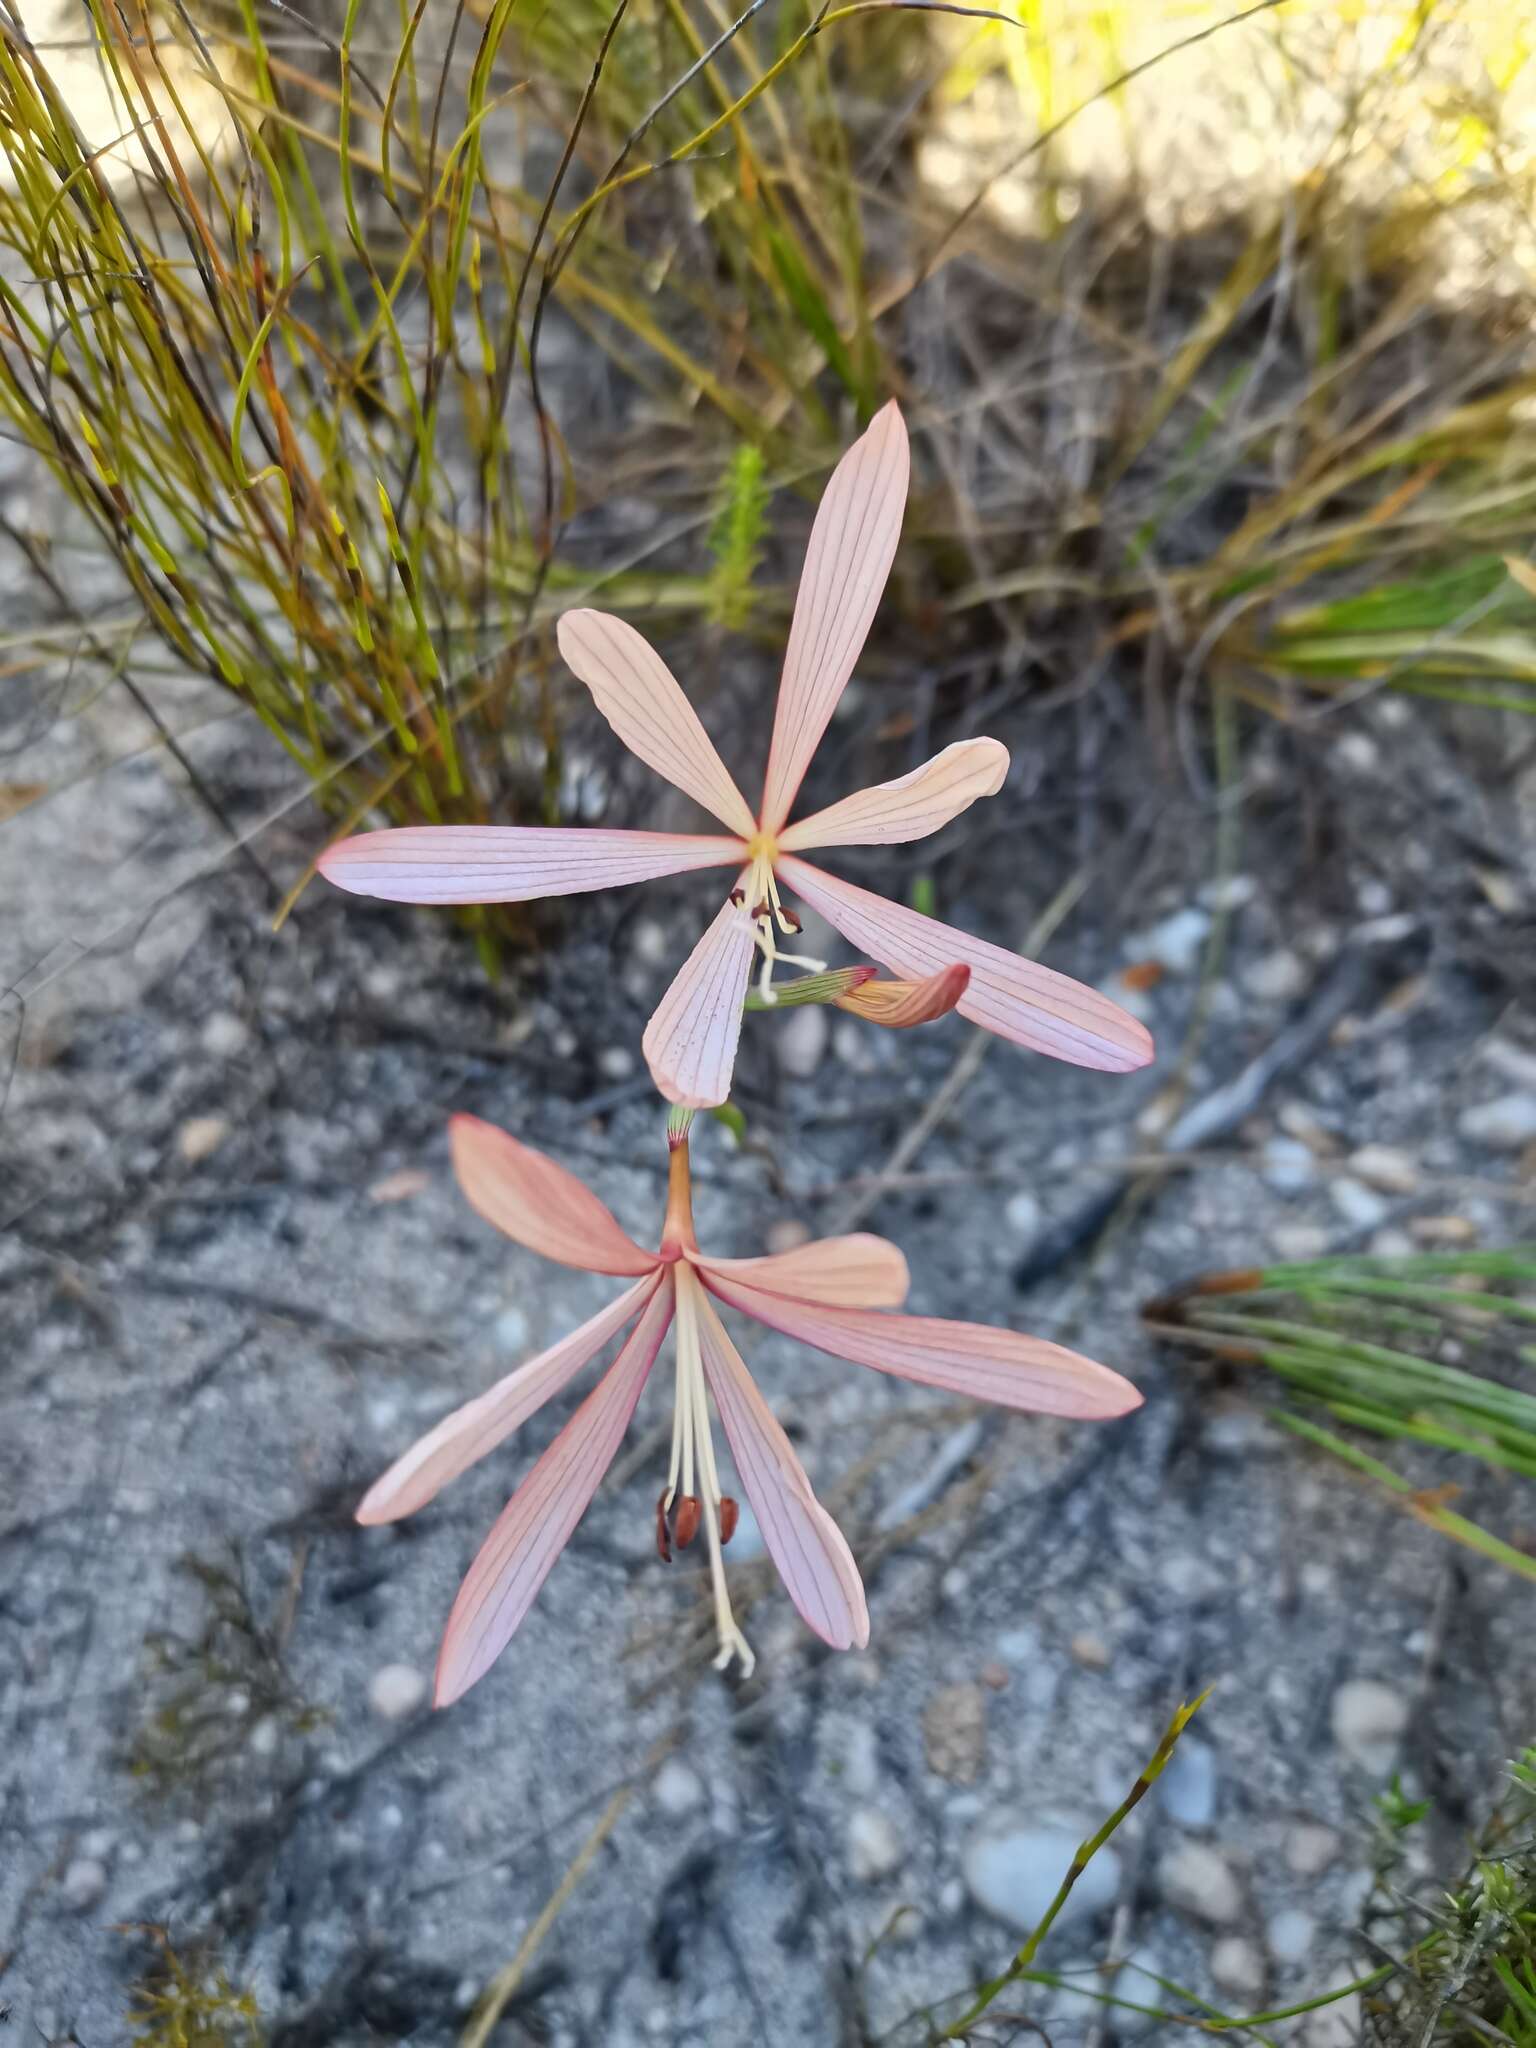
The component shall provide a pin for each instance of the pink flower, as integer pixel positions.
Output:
(836, 1293)
(690, 1042)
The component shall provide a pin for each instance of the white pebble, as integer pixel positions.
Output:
(800, 1040)
(396, 1692)
(84, 1884)
(1014, 1875)
(677, 1789)
(1021, 1213)
(615, 1063)
(1187, 1787)
(874, 1846)
(1175, 944)
(1200, 1881)
(1288, 1166)
(1361, 1207)
(1507, 1124)
(1368, 1723)
(1290, 1935)
(223, 1035)
(1385, 1167)
(1310, 1848)
(1237, 1966)
(200, 1137)
(1280, 977)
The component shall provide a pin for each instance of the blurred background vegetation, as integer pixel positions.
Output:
(363, 344)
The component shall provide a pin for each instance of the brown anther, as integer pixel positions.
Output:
(738, 897)
(663, 1534)
(763, 914)
(730, 1515)
(790, 919)
(685, 1520)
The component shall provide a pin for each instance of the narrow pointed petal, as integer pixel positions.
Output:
(973, 1359)
(807, 1547)
(539, 1204)
(643, 701)
(536, 1524)
(898, 1005)
(511, 863)
(910, 807)
(852, 546)
(860, 1271)
(1017, 998)
(463, 1438)
(690, 1042)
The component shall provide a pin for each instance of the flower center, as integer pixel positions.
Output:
(693, 1491)
(769, 917)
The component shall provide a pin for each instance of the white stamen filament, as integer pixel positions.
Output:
(766, 911)
(690, 1429)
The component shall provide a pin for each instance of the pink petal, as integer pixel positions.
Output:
(1015, 997)
(806, 1545)
(536, 1524)
(910, 807)
(852, 546)
(898, 1005)
(964, 1358)
(641, 699)
(537, 1203)
(463, 1438)
(690, 1042)
(852, 1272)
(510, 863)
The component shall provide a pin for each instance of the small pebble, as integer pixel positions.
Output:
(1369, 1720)
(1361, 1207)
(1507, 1124)
(1357, 751)
(1516, 1063)
(223, 1035)
(1021, 1213)
(1298, 1121)
(677, 1789)
(1280, 977)
(1187, 1787)
(396, 1691)
(787, 1235)
(1200, 1881)
(1013, 1874)
(84, 1884)
(1175, 944)
(650, 943)
(1287, 1165)
(1290, 1935)
(1299, 1241)
(1091, 1651)
(955, 1733)
(800, 1040)
(615, 1063)
(511, 1330)
(1386, 1168)
(874, 1846)
(1232, 892)
(1443, 1230)
(200, 1137)
(856, 1046)
(1310, 1848)
(1237, 1966)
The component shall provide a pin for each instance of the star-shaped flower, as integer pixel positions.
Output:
(837, 1294)
(690, 1042)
